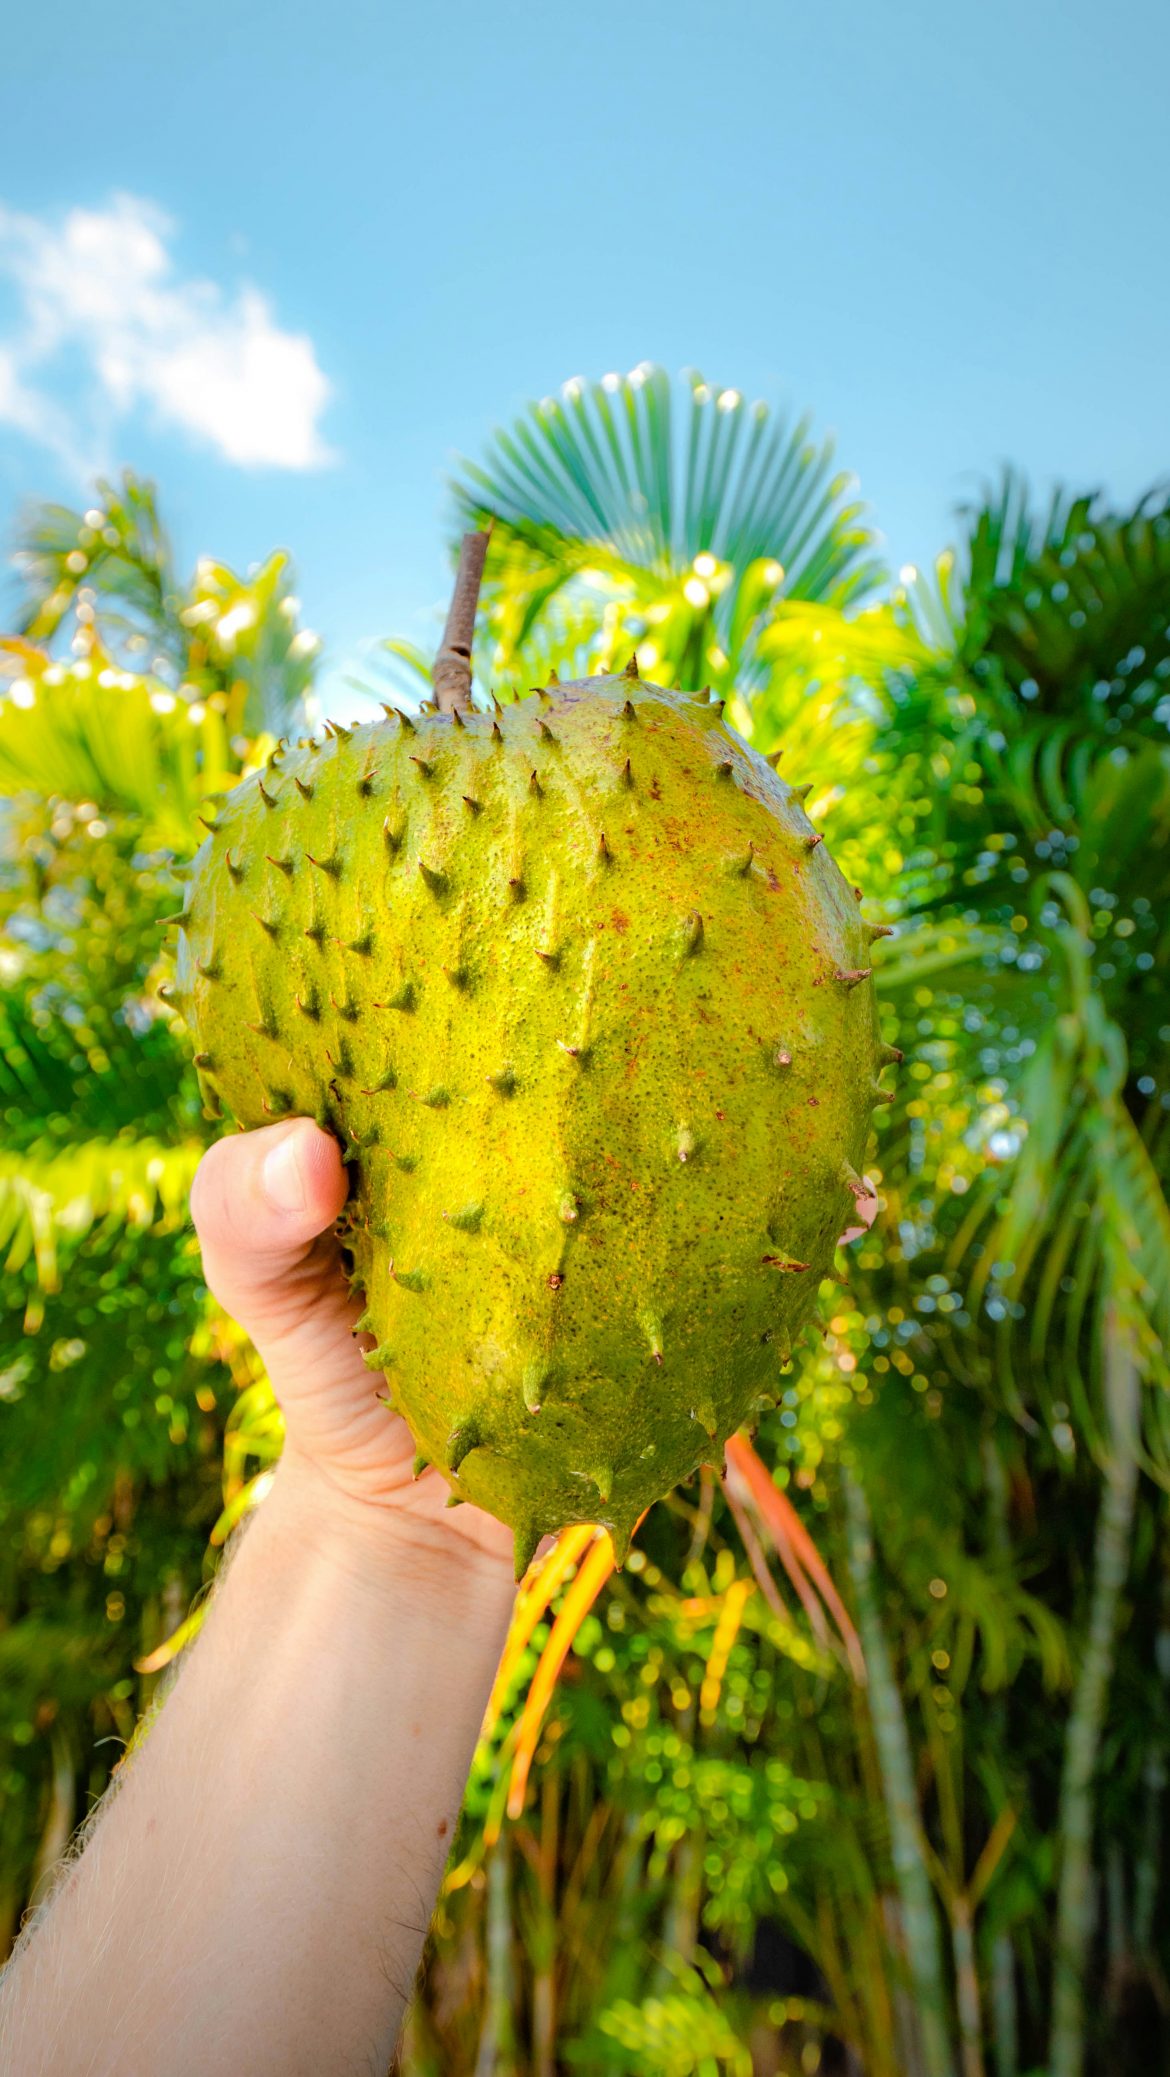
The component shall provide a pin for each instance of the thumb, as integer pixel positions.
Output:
(263, 1204)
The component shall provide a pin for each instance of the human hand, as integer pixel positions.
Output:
(264, 1203)
(351, 1649)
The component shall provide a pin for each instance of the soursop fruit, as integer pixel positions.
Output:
(580, 990)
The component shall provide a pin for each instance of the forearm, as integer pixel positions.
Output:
(258, 1893)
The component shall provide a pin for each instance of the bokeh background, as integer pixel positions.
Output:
(861, 1764)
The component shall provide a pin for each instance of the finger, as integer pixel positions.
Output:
(260, 1201)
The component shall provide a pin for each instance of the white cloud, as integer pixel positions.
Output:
(102, 284)
(32, 414)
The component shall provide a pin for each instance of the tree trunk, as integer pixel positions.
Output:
(1074, 1909)
(919, 1919)
(497, 2041)
(544, 1942)
(680, 1932)
(1005, 2022)
(1148, 1865)
(1005, 2017)
(967, 1990)
(907, 2042)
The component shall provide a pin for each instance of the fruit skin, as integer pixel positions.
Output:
(587, 1002)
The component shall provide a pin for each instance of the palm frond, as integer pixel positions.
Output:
(607, 465)
(48, 1204)
(536, 1594)
(117, 554)
(1141, 1215)
(596, 1566)
(86, 731)
(1071, 604)
(927, 950)
(749, 1477)
(933, 602)
(62, 1075)
(37, 1073)
(244, 642)
(111, 568)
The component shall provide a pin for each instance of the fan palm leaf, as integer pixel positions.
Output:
(603, 467)
(684, 522)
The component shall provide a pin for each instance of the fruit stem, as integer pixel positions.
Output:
(452, 672)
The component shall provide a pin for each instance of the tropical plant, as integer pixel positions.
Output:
(711, 1826)
(705, 532)
(1010, 720)
(1049, 707)
(108, 576)
(121, 717)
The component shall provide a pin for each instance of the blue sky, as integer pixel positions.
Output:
(291, 260)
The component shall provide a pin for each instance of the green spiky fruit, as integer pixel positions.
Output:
(587, 1003)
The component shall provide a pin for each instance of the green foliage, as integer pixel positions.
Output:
(685, 2033)
(110, 566)
(602, 465)
(715, 1839)
(81, 732)
(107, 575)
(115, 1378)
(691, 524)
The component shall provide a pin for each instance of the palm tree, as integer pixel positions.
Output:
(979, 1438)
(107, 576)
(1009, 707)
(710, 534)
(1047, 704)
